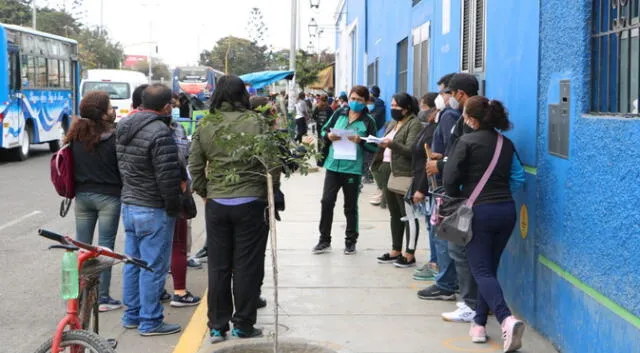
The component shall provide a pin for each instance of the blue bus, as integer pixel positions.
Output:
(198, 81)
(39, 80)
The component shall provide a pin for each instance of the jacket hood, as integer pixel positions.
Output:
(129, 126)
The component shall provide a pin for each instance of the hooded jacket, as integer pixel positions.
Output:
(148, 162)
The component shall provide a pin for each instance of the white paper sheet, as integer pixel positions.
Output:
(344, 149)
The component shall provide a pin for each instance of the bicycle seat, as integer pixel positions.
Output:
(96, 265)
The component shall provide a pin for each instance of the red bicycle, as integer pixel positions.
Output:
(75, 333)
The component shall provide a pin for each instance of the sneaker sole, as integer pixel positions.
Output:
(321, 251)
(151, 334)
(182, 305)
(455, 320)
(386, 261)
(516, 338)
(419, 278)
(404, 265)
(439, 297)
(479, 339)
(214, 340)
(350, 252)
(130, 327)
(107, 307)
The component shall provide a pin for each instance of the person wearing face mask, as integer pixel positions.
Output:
(462, 86)
(393, 159)
(345, 174)
(98, 184)
(151, 173)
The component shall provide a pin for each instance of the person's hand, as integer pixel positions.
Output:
(432, 168)
(436, 156)
(354, 138)
(385, 143)
(418, 197)
(183, 186)
(333, 137)
(308, 139)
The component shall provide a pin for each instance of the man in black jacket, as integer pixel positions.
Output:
(151, 176)
(461, 87)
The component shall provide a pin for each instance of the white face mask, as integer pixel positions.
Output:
(453, 103)
(440, 105)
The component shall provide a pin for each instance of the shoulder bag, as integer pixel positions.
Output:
(455, 214)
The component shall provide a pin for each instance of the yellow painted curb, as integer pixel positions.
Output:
(191, 339)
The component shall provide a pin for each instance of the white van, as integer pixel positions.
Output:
(119, 84)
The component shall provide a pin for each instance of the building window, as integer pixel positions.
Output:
(615, 84)
(473, 19)
(420, 37)
(372, 73)
(402, 65)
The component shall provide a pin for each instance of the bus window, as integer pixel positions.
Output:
(14, 73)
(41, 72)
(53, 74)
(28, 71)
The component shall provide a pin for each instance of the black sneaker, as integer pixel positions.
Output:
(350, 249)
(261, 303)
(188, 299)
(322, 248)
(402, 262)
(253, 332)
(434, 293)
(216, 336)
(165, 296)
(387, 258)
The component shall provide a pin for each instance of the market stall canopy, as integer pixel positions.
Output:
(261, 79)
(325, 80)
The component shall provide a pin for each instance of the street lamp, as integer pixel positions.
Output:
(314, 4)
(313, 27)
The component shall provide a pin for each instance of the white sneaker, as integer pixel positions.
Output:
(462, 314)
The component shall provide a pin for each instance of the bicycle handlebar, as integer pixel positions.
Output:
(99, 251)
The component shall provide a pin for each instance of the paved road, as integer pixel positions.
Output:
(30, 305)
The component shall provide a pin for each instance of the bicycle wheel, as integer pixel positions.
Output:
(79, 341)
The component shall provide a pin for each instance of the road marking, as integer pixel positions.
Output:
(191, 339)
(16, 221)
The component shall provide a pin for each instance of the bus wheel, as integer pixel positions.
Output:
(22, 153)
(54, 146)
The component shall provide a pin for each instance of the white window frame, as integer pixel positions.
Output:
(471, 50)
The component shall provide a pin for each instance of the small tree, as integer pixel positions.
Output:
(270, 150)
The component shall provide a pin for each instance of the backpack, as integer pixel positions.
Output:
(63, 177)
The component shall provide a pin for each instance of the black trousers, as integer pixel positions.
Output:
(301, 129)
(236, 244)
(350, 185)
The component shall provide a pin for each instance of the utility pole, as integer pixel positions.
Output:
(292, 54)
(101, 16)
(34, 14)
(150, 49)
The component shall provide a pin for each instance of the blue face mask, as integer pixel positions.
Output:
(371, 107)
(356, 106)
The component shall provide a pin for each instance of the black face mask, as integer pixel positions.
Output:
(397, 114)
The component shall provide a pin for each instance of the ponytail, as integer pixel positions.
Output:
(490, 113)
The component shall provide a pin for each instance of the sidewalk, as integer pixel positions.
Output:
(351, 301)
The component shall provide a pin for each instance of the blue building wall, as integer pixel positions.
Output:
(572, 266)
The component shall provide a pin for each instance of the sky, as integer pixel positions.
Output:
(183, 28)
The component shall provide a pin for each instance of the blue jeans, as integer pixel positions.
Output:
(92, 208)
(445, 279)
(148, 235)
(492, 226)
